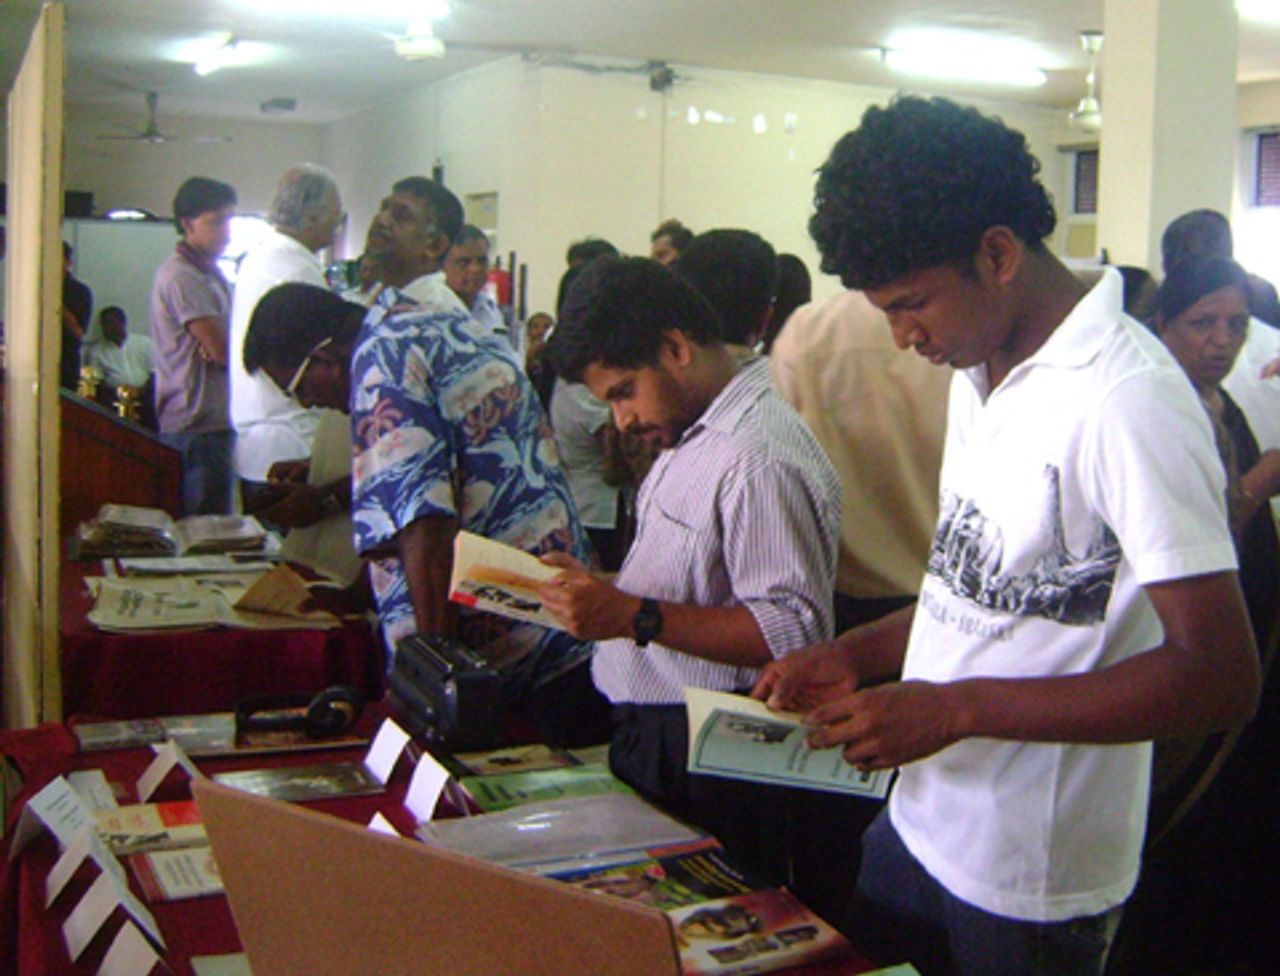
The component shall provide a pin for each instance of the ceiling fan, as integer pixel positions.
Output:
(151, 134)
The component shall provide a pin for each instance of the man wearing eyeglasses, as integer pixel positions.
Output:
(305, 216)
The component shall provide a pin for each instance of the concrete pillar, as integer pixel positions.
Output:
(1168, 139)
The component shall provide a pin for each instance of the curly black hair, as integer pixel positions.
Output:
(917, 184)
(617, 312)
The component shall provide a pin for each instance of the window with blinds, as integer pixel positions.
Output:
(1086, 193)
(1267, 185)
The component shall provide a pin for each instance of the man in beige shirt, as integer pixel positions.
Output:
(881, 417)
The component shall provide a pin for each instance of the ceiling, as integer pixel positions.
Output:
(338, 64)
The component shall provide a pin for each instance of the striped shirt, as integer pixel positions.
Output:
(743, 511)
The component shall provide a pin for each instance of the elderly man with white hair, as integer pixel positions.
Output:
(305, 216)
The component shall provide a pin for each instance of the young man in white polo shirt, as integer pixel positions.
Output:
(1080, 597)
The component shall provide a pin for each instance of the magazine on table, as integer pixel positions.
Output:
(177, 875)
(151, 827)
(208, 735)
(725, 920)
(740, 738)
(558, 835)
(513, 759)
(297, 783)
(501, 791)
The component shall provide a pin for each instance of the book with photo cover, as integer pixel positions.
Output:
(296, 783)
(755, 932)
(151, 827)
(513, 759)
(177, 875)
(725, 921)
(501, 791)
(740, 738)
(134, 530)
(206, 736)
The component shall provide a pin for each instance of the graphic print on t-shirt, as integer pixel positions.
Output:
(968, 552)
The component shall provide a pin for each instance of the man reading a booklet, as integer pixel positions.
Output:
(447, 435)
(1080, 598)
(735, 550)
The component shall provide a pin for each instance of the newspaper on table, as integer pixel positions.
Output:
(501, 579)
(740, 738)
(275, 600)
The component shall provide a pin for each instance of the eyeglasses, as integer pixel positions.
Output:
(291, 391)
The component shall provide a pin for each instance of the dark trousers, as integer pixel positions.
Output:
(208, 476)
(649, 752)
(902, 913)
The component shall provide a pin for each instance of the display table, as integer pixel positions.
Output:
(152, 673)
(31, 939)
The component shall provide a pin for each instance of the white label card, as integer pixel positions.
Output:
(168, 756)
(424, 788)
(130, 954)
(90, 915)
(381, 825)
(92, 787)
(385, 750)
(59, 809)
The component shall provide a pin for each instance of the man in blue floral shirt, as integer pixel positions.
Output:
(447, 435)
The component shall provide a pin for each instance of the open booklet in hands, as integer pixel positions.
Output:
(740, 738)
(499, 578)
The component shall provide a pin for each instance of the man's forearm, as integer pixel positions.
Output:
(876, 650)
(426, 553)
(1203, 678)
(727, 635)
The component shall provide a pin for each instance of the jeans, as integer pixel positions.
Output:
(903, 913)
(208, 476)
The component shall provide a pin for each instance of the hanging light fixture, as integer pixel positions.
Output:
(1087, 115)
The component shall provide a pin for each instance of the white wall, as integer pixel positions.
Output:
(573, 154)
(136, 174)
(569, 154)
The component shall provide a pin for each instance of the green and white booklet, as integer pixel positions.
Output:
(740, 738)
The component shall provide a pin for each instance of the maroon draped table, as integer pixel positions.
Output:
(31, 940)
(145, 674)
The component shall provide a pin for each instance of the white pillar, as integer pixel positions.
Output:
(1168, 138)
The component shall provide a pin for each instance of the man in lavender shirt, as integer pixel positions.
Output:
(735, 551)
(190, 311)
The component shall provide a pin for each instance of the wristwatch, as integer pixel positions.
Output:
(647, 623)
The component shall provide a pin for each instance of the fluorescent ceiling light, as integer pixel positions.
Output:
(365, 9)
(1259, 11)
(417, 46)
(129, 213)
(966, 56)
(231, 54)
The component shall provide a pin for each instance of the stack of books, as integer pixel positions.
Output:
(131, 530)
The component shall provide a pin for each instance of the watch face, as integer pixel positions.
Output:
(647, 622)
